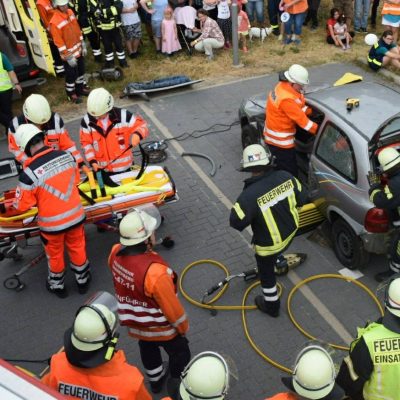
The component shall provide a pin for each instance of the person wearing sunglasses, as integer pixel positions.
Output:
(372, 368)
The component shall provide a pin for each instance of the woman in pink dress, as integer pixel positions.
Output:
(170, 42)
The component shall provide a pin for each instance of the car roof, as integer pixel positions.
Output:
(378, 103)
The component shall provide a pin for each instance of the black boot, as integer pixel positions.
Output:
(268, 307)
(98, 59)
(108, 65)
(61, 293)
(382, 276)
(156, 387)
(84, 287)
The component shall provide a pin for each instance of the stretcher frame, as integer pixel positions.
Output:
(11, 238)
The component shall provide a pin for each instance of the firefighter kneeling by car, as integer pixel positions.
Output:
(268, 204)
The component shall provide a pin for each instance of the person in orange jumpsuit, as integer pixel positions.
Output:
(285, 111)
(49, 182)
(90, 367)
(108, 133)
(148, 305)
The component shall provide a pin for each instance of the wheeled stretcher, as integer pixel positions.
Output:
(101, 203)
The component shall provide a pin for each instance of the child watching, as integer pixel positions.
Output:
(131, 27)
(170, 42)
(342, 36)
(224, 21)
(243, 27)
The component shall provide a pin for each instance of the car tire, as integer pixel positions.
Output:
(347, 246)
(250, 136)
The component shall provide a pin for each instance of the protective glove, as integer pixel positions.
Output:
(373, 178)
(97, 13)
(85, 169)
(135, 140)
(84, 49)
(72, 62)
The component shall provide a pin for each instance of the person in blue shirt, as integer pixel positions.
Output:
(384, 52)
(8, 82)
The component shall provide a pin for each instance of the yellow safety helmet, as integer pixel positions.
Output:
(297, 74)
(24, 135)
(388, 158)
(36, 109)
(256, 154)
(100, 101)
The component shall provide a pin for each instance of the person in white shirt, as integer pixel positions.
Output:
(131, 26)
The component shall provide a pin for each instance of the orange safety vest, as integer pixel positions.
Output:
(46, 11)
(110, 148)
(113, 380)
(138, 280)
(283, 396)
(56, 136)
(285, 109)
(298, 8)
(66, 33)
(49, 181)
(389, 8)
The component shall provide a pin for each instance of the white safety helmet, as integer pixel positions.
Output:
(205, 377)
(99, 102)
(392, 298)
(314, 373)
(136, 227)
(297, 74)
(24, 134)
(370, 39)
(60, 3)
(37, 109)
(254, 155)
(388, 158)
(93, 328)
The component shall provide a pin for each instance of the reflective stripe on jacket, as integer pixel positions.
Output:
(145, 288)
(390, 8)
(110, 147)
(49, 182)
(46, 11)
(66, 33)
(5, 81)
(113, 380)
(269, 204)
(285, 109)
(56, 137)
(384, 349)
(109, 13)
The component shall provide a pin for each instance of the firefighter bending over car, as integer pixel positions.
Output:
(36, 110)
(49, 182)
(268, 204)
(286, 109)
(148, 305)
(68, 38)
(90, 367)
(108, 133)
(371, 370)
(388, 197)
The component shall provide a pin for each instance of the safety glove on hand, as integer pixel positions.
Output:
(84, 49)
(71, 60)
(135, 140)
(374, 181)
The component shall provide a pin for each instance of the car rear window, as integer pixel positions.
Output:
(335, 149)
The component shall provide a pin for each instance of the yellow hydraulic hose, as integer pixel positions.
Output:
(243, 307)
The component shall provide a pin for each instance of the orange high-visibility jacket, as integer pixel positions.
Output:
(49, 182)
(110, 148)
(285, 109)
(66, 33)
(146, 292)
(390, 8)
(283, 396)
(46, 11)
(113, 380)
(56, 136)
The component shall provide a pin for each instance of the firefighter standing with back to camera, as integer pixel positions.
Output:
(49, 182)
(148, 305)
(36, 110)
(268, 204)
(371, 370)
(286, 109)
(68, 38)
(388, 197)
(107, 133)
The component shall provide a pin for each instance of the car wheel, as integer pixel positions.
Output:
(250, 136)
(347, 246)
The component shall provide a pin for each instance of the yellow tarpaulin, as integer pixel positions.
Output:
(348, 77)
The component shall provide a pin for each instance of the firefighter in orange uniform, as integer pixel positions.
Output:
(108, 133)
(285, 111)
(49, 182)
(148, 305)
(46, 11)
(90, 367)
(68, 38)
(36, 110)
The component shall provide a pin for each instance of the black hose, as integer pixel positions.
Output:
(202, 155)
